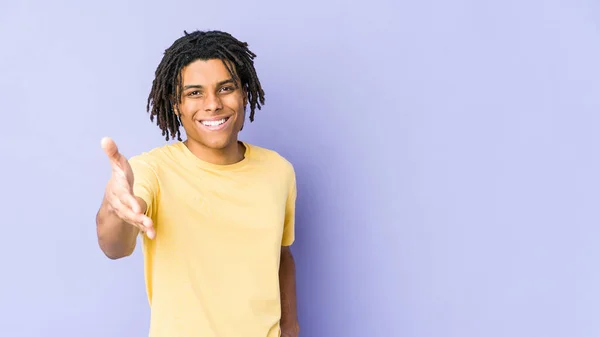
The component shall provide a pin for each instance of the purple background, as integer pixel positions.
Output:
(446, 151)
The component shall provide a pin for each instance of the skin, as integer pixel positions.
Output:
(287, 282)
(208, 92)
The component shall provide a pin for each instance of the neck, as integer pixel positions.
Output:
(229, 155)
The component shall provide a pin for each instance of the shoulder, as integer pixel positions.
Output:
(157, 155)
(271, 158)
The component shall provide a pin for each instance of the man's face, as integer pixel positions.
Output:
(211, 108)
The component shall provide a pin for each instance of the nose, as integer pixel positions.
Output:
(212, 103)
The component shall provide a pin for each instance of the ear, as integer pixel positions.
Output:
(174, 107)
(174, 102)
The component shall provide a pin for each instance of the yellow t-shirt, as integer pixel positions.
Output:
(212, 269)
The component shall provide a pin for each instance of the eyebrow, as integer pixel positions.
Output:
(198, 86)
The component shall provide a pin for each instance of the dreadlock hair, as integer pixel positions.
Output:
(204, 45)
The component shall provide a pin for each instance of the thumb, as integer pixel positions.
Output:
(110, 148)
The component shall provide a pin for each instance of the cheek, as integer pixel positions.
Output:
(187, 111)
(185, 118)
(187, 121)
(187, 108)
(240, 118)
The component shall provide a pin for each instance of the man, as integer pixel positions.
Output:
(217, 212)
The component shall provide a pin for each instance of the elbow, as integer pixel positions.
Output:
(114, 254)
(114, 243)
(115, 257)
(115, 250)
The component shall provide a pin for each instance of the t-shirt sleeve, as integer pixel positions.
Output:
(290, 214)
(145, 183)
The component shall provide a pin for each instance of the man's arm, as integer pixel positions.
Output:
(116, 237)
(123, 213)
(287, 284)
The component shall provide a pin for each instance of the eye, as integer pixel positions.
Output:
(194, 93)
(227, 89)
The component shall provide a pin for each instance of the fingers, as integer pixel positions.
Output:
(137, 219)
(133, 204)
(120, 186)
(120, 166)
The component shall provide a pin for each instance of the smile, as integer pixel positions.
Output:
(215, 125)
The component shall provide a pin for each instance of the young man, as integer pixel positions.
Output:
(217, 213)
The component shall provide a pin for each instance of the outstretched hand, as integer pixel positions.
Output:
(119, 190)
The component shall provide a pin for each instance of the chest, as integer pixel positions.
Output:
(209, 208)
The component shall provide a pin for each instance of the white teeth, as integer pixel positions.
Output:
(214, 123)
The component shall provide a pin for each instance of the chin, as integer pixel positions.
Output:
(218, 144)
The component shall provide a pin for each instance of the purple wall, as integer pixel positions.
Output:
(446, 151)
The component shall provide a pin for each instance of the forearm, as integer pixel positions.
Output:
(287, 283)
(116, 237)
